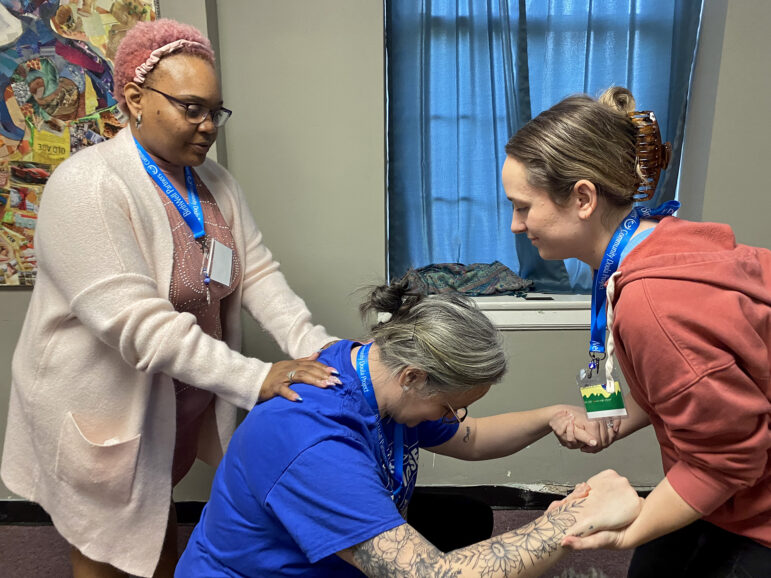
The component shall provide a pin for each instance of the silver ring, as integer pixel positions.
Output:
(609, 423)
(290, 376)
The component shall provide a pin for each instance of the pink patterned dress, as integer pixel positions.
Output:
(188, 294)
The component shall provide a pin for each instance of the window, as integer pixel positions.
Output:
(462, 76)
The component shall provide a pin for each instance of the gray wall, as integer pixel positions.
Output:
(305, 79)
(306, 142)
(725, 169)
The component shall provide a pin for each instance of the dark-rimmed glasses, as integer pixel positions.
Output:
(455, 416)
(196, 113)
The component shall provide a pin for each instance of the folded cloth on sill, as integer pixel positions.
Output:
(472, 280)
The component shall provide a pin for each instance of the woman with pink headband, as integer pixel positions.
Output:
(127, 367)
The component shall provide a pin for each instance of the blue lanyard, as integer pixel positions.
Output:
(362, 368)
(609, 264)
(191, 213)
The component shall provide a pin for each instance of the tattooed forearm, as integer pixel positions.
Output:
(403, 552)
(515, 552)
(400, 552)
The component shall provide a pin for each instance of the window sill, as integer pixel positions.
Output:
(537, 311)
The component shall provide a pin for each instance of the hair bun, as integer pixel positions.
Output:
(388, 301)
(618, 98)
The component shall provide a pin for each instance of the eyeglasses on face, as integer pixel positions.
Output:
(197, 113)
(454, 416)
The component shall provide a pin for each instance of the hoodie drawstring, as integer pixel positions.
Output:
(611, 345)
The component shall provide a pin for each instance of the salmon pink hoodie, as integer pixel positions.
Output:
(692, 330)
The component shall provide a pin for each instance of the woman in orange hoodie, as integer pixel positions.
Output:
(689, 319)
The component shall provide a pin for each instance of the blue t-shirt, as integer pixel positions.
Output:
(302, 481)
(634, 241)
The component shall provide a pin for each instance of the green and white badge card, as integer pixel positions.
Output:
(602, 397)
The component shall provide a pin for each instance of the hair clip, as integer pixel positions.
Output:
(651, 154)
(383, 316)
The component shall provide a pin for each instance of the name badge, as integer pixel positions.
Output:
(220, 264)
(602, 397)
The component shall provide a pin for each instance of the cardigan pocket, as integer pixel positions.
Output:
(100, 470)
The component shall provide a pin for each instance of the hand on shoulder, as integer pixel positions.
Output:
(303, 370)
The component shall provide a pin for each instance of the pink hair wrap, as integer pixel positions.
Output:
(152, 61)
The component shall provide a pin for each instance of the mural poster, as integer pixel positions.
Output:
(56, 77)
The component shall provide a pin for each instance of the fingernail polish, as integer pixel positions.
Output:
(298, 398)
(335, 373)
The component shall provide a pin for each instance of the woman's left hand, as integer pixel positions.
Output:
(302, 370)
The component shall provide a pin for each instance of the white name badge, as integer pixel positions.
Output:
(220, 265)
(602, 397)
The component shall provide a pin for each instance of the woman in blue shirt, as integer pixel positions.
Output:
(320, 488)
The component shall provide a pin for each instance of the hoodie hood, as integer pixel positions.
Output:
(700, 252)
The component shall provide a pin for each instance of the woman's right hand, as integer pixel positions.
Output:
(302, 370)
(609, 507)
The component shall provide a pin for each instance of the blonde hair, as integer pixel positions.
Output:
(582, 138)
(445, 335)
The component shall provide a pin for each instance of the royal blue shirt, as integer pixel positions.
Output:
(302, 481)
(633, 242)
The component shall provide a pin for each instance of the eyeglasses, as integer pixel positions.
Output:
(196, 113)
(455, 416)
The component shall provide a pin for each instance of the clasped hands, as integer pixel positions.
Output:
(606, 505)
(575, 431)
(610, 503)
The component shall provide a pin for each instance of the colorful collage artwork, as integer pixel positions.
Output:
(57, 97)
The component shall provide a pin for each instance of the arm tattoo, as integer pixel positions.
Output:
(468, 435)
(400, 552)
(403, 552)
(514, 552)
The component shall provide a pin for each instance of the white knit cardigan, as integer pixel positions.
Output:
(92, 414)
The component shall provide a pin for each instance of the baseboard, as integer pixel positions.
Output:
(29, 513)
(503, 497)
(21, 512)
(499, 497)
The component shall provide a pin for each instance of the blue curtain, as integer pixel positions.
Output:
(464, 75)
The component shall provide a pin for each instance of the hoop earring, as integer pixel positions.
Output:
(138, 121)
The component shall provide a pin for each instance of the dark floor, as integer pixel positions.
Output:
(37, 551)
